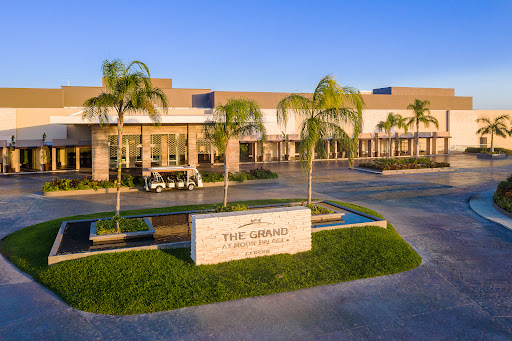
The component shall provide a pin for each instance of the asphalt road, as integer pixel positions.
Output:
(462, 290)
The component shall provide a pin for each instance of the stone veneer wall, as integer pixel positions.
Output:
(222, 237)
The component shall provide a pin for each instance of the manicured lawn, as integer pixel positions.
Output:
(147, 281)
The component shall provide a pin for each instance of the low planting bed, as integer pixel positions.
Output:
(63, 187)
(403, 165)
(87, 183)
(491, 156)
(253, 174)
(152, 280)
(497, 150)
(105, 230)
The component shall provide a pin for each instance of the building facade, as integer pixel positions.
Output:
(70, 142)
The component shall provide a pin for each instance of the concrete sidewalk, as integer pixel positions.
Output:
(481, 203)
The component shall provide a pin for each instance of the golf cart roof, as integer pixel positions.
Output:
(172, 169)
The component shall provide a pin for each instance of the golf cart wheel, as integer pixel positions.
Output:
(190, 187)
(159, 189)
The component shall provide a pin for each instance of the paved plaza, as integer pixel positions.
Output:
(462, 290)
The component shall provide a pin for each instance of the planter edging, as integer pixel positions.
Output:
(405, 171)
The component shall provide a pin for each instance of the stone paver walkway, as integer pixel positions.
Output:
(462, 290)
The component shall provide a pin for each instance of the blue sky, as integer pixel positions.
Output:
(266, 45)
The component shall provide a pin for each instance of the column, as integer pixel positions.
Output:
(377, 145)
(434, 143)
(360, 148)
(77, 157)
(409, 146)
(40, 152)
(15, 160)
(63, 157)
(164, 153)
(4, 159)
(54, 158)
(416, 143)
(370, 148)
(100, 153)
(335, 146)
(280, 150)
(446, 146)
(192, 132)
(146, 150)
(428, 146)
(328, 148)
(291, 150)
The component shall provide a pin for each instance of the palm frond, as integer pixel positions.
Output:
(297, 103)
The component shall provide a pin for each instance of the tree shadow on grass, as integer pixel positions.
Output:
(182, 254)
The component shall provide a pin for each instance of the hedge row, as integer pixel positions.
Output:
(130, 181)
(253, 174)
(408, 163)
(86, 183)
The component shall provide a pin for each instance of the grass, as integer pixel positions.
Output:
(148, 281)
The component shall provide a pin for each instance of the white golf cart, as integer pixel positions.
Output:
(181, 177)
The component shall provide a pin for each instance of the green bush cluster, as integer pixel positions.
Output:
(87, 183)
(408, 163)
(497, 150)
(503, 194)
(229, 208)
(317, 209)
(253, 174)
(125, 225)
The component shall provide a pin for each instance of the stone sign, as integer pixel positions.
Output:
(222, 237)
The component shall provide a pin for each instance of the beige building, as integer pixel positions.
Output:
(73, 143)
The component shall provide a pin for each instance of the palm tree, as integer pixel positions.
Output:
(235, 119)
(128, 90)
(392, 121)
(330, 110)
(421, 115)
(497, 127)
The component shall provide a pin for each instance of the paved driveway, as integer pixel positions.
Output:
(462, 290)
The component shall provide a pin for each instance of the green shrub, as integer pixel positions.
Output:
(86, 183)
(253, 174)
(229, 208)
(125, 225)
(406, 163)
(317, 209)
(497, 150)
(503, 195)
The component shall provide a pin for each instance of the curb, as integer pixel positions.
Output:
(141, 189)
(483, 205)
(405, 171)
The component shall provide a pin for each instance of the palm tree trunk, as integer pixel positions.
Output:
(492, 142)
(417, 139)
(310, 175)
(389, 145)
(226, 175)
(119, 158)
